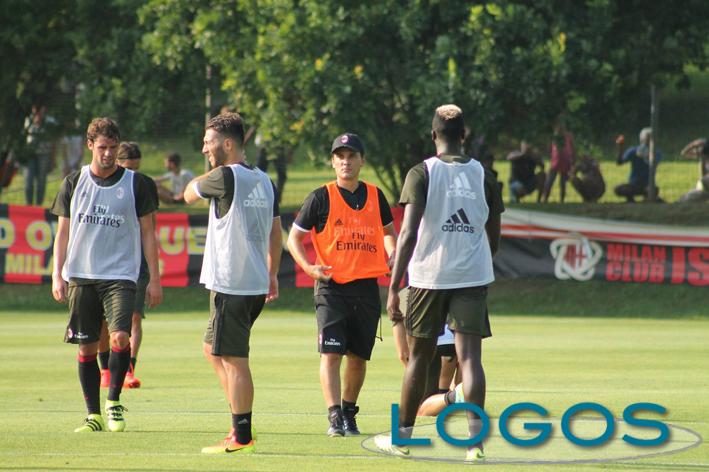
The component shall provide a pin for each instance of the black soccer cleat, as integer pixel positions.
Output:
(337, 428)
(349, 421)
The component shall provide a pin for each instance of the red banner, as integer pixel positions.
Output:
(534, 245)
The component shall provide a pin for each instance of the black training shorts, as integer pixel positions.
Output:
(89, 302)
(347, 323)
(230, 322)
(464, 309)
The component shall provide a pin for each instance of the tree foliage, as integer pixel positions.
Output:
(83, 59)
(306, 70)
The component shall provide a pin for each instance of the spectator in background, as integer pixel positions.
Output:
(171, 185)
(590, 184)
(524, 178)
(72, 150)
(639, 159)
(282, 158)
(563, 156)
(699, 148)
(485, 157)
(41, 159)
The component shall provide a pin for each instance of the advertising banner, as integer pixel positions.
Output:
(534, 244)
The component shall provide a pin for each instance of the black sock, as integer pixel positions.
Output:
(133, 362)
(118, 363)
(241, 422)
(348, 406)
(90, 378)
(334, 408)
(443, 390)
(450, 397)
(103, 359)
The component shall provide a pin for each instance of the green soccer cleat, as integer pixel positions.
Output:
(383, 443)
(92, 424)
(474, 455)
(114, 413)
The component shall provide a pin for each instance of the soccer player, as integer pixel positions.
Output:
(129, 157)
(240, 266)
(105, 214)
(353, 233)
(450, 230)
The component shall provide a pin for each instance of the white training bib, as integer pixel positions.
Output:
(452, 250)
(446, 338)
(104, 232)
(236, 251)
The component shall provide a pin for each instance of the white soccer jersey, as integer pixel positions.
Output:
(452, 250)
(236, 251)
(104, 232)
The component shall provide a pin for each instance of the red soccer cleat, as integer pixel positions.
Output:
(105, 378)
(130, 381)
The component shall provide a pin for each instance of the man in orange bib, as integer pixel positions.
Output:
(353, 233)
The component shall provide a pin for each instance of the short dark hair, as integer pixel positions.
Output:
(228, 124)
(105, 127)
(448, 122)
(174, 158)
(129, 150)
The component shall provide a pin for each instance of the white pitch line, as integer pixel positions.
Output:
(35, 454)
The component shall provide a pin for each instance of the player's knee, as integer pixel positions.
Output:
(330, 359)
(207, 350)
(86, 350)
(120, 340)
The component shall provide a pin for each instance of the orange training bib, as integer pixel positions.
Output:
(352, 241)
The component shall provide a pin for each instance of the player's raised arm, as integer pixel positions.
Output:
(192, 194)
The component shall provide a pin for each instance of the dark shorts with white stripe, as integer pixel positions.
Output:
(230, 322)
(464, 309)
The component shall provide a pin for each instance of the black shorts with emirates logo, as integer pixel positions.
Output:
(464, 309)
(91, 300)
(347, 323)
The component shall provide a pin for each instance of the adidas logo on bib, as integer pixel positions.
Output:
(257, 197)
(458, 223)
(461, 188)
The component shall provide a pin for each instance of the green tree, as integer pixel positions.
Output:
(36, 54)
(83, 59)
(307, 70)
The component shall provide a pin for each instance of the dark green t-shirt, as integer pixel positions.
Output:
(219, 185)
(415, 189)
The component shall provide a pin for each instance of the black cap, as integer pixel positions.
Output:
(349, 141)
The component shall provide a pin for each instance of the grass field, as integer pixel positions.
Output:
(607, 346)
